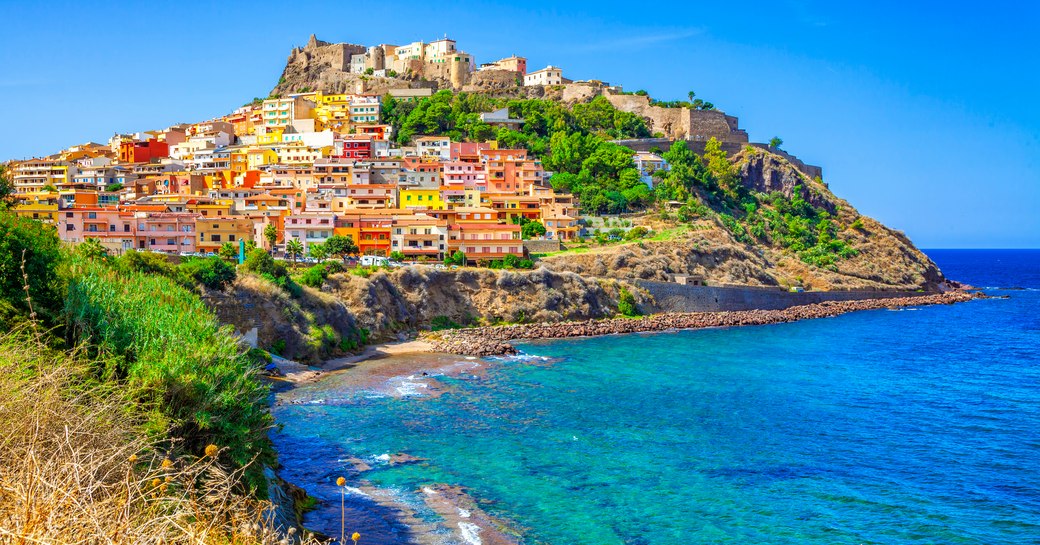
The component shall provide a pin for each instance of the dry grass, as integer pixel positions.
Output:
(74, 467)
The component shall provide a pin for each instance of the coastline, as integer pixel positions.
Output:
(494, 340)
(418, 363)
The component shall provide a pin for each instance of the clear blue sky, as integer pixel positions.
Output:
(926, 118)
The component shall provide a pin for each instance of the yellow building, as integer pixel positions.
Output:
(38, 205)
(214, 232)
(220, 208)
(273, 136)
(421, 198)
(258, 157)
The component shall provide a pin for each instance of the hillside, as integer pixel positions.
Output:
(880, 258)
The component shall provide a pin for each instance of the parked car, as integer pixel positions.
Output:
(374, 261)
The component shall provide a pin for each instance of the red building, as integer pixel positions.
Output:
(143, 152)
(356, 146)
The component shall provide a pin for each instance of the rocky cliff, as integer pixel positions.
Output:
(349, 309)
(323, 66)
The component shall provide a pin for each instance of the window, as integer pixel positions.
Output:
(214, 238)
(70, 227)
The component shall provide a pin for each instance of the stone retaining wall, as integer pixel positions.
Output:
(672, 297)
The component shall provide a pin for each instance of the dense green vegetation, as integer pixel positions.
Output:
(572, 142)
(709, 187)
(29, 257)
(186, 371)
(147, 333)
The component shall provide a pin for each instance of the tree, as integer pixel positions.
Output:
(691, 94)
(32, 248)
(112, 188)
(92, 249)
(397, 256)
(6, 187)
(228, 251)
(318, 251)
(271, 234)
(294, 249)
(458, 258)
(775, 142)
(532, 229)
(340, 246)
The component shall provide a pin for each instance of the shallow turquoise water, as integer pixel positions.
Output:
(914, 426)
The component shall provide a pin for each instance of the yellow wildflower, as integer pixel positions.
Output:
(212, 450)
(341, 481)
(166, 463)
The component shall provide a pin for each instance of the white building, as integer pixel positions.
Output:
(550, 75)
(647, 163)
(439, 146)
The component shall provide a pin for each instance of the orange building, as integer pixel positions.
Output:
(142, 152)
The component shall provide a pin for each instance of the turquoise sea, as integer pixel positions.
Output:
(912, 426)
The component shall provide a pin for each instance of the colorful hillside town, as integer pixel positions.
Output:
(312, 166)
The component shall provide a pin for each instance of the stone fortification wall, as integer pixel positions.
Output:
(682, 123)
(319, 54)
(672, 297)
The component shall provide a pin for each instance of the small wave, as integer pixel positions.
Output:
(429, 491)
(521, 357)
(411, 389)
(383, 458)
(464, 513)
(470, 533)
(356, 491)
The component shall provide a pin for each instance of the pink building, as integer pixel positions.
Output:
(309, 228)
(168, 232)
(115, 229)
(463, 175)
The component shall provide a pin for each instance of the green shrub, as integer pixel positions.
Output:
(186, 369)
(278, 347)
(314, 276)
(260, 262)
(333, 267)
(212, 272)
(637, 232)
(41, 249)
(439, 323)
(627, 303)
(146, 262)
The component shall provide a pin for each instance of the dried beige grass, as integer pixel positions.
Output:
(74, 467)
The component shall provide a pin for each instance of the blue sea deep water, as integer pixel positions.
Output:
(912, 426)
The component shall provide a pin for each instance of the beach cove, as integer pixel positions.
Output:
(812, 431)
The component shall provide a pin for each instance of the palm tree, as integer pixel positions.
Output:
(691, 94)
(293, 249)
